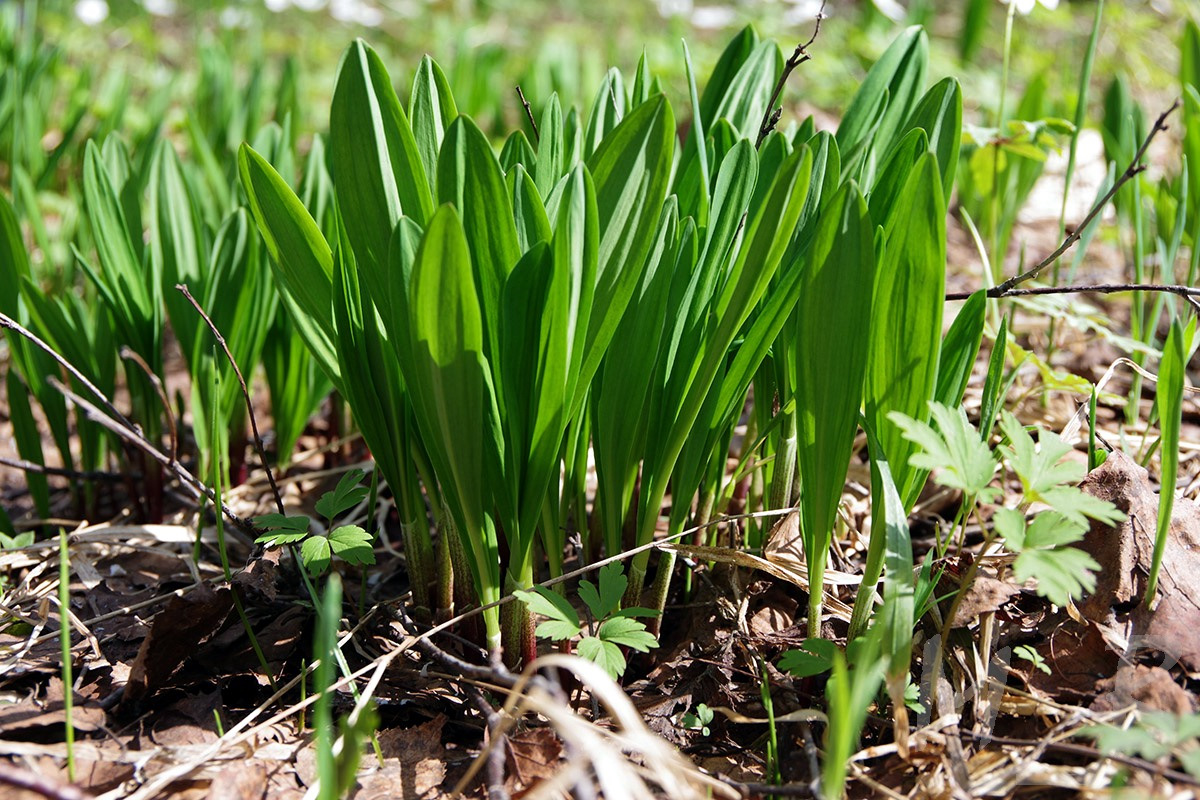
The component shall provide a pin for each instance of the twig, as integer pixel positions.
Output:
(529, 113)
(10, 323)
(128, 354)
(798, 57)
(1135, 167)
(59, 472)
(1093, 288)
(134, 437)
(11, 775)
(258, 442)
(497, 744)
(1089, 752)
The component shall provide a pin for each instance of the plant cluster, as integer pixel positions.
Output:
(605, 290)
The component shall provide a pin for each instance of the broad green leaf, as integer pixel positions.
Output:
(1062, 572)
(315, 552)
(813, 657)
(551, 164)
(469, 177)
(893, 84)
(517, 151)
(280, 522)
(630, 172)
(744, 100)
(300, 257)
(377, 170)
(728, 65)
(453, 398)
(604, 654)
(960, 347)
(532, 224)
(831, 359)
(906, 317)
(608, 108)
(939, 114)
(431, 109)
(550, 604)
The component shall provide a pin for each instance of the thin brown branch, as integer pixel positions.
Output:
(798, 57)
(127, 354)
(1186, 292)
(1090, 753)
(1135, 167)
(529, 114)
(135, 438)
(59, 472)
(258, 442)
(12, 325)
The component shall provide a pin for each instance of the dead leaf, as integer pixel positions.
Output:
(1149, 687)
(1125, 553)
(985, 595)
(534, 756)
(244, 781)
(185, 623)
(49, 709)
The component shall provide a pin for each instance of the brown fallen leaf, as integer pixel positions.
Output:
(1149, 687)
(985, 595)
(48, 710)
(246, 780)
(414, 763)
(182, 625)
(1125, 553)
(533, 757)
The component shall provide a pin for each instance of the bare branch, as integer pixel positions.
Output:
(529, 113)
(1135, 166)
(258, 442)
(798, 57)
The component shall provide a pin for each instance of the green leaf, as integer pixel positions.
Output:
(377, 169)
(954, 449)
(831, 358)
(315, 553)
(612, 588)
(300, 257)
(1061, 572)
(352, 544)
(346, 495)
(1040, 467)
(280, 522)
(1171, 375)
(431, 109)
(604, 654)
(627, 633)
(906, 325)
(813, 657)
(563, 622)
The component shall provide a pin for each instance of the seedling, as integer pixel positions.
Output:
(349, 542)
(698, 720)
(609, 628)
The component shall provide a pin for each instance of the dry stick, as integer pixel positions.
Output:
(799, 56)
(537, 138)
(10, 323)
(59, 472)
(258, 442)
(129, 355)
(135, 437)
(1135, 166)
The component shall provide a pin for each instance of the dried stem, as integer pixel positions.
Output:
(1135, 167)
(529, 113)
(127, 354)
(59, 472)
(798, 57)
(258, 442)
